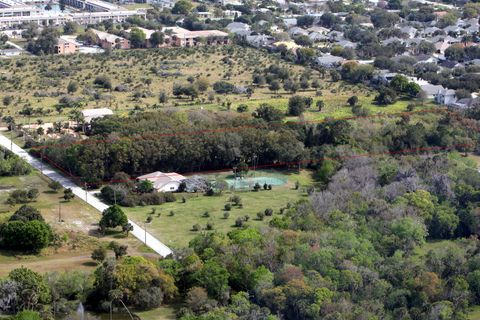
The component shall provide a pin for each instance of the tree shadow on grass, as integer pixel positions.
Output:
(90, 264)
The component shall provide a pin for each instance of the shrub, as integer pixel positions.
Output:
(268, 212)
(256, 187)
(99, 254)
(169, 197)
(260, 216)
(236, 200)
(210, 226)
(223, 87)
(22, 196)
(55, 186)
(228, 207)
(242, 108)
(239, 222)
(26, 213)
(196, 227)
(206, 214)
(26, 236)
(226, 214)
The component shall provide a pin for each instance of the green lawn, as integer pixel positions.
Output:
(176, 231)
(474, 313)
(162, 313)
(432, 245)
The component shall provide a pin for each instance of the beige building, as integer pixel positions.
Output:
(179, 37)
(111, 41)
(66, 46)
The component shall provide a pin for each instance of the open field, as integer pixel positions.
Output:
(143, 74)
(474, 313)
(475, 158)
(176, 231)
(77, 228)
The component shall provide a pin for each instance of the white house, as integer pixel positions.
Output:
(90, 114)
(164, 182)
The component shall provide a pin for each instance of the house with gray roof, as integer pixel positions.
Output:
(329, 61)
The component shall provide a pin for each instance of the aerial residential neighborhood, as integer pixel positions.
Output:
(239, 160)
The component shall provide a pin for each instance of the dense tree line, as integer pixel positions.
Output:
(167, 141)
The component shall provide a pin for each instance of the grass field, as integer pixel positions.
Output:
(150, 72)
(176, 231)
(475, 158)
(474, 313)
(77, 227)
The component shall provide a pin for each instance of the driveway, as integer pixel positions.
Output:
(88, 197)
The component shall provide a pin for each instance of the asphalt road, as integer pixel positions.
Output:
(88, 197)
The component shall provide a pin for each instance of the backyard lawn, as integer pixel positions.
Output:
(176, 231)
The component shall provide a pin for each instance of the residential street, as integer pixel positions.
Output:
(88, 197)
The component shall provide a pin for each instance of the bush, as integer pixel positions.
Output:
(256, 187)
(268, 212)
(26, 236)
(169, 197)
(196, 227)
(146, 299)
(260, 216)
(99, 254)
(206, 214)
(298, 104)
(236, 200)
(26, 213)
(228, 207)
(55, 186)
(210, 226)
(226, 214)
(242, 108)
(22, 196)
(239, 222)
(223, 87)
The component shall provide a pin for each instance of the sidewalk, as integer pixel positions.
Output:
(88, 197)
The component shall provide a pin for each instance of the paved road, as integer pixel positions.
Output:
(88, 197)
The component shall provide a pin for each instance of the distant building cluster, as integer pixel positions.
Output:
(13, 13)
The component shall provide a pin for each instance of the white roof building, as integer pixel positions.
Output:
(90, 114)
(164, 182)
